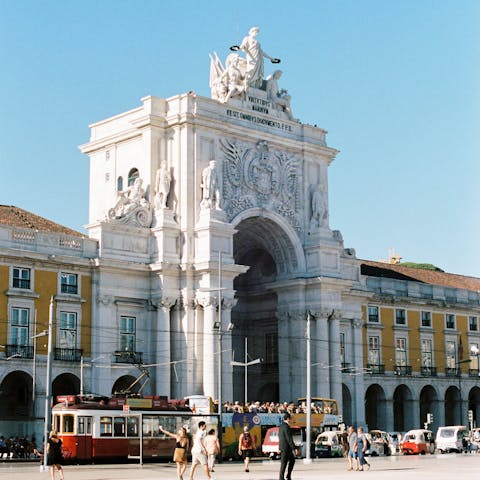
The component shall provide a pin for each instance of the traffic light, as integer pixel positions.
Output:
(429, 417)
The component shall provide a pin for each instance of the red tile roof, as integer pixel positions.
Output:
(12, 216)
(380, 269)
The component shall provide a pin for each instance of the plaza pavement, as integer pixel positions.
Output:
(435, 467)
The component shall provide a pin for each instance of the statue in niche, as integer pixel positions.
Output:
(263, 174)
(210, 187)
(163, 180)
(132, 206)
(279, 97)
(319, 208)
(255, 55)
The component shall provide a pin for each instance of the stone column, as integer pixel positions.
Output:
(334, 358)
(210, 345)
(284, 387)
(226, 353)
(358, 394)
(163, 346)
(321, 370)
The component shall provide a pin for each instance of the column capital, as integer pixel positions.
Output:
(357, 322)
(206, 299)
(105, 299)
(229, 302)
(164, 302)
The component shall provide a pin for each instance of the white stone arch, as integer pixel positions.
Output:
(276, 236)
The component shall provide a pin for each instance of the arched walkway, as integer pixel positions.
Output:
(272, 250)
(66, 384)
(16, 396)
(403, 413)
(474, 404)
(429, 404)
(375, 407)
(453, 414)
(123, 383)
(347, 405)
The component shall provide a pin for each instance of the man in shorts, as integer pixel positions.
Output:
(199, 453)
(352, 448)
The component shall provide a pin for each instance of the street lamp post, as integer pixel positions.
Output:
(308, 400)
(48, 386)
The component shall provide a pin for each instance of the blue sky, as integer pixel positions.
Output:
(395, 83)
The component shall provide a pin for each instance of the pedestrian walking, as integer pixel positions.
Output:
(212, 446)
(181, 448)
(246, 447)
(287, 448)
(361, 448)
(352, 449)
(54, 455)
(199, 453)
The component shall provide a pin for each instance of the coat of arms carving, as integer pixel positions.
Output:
(256, 176)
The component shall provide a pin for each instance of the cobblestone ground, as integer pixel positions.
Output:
(437, 467)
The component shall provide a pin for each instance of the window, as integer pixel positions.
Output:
(373, 350)
(373, 314)
(426, 319)
(451, 354)
(84, 425)
(400, 316)
(68, 423)
(21, 278)
(127, 334)
(271, 348)
(132, 176)
(105, 426)
(427, 352)
(69, 283)
(342, 349)
(68, 330)
(20, 326)
(450, 321)
(119, 184)
(401, 351)
(132, 427)
(119, 427)
(473, 324)
(473, 356)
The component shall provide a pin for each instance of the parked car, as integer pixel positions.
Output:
(450, 439)
(381, 443)
(270, 442)
(328, 444)
(418, 442)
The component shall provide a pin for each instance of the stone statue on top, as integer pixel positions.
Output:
(243, 74)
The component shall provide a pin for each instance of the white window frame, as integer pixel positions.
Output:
(21, 327)
(452, 315)
(404, 324)
(426, 354)
(451, 354)
(378, 314)
(65, 331)
(474, 360)
(475, 321)
(128, 333)
(401, 351)
(61, 284)
(373, 345)
(429, 315)
(30, 277)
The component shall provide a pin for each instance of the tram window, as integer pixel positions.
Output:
(119, 427)
(84, 425)
(132, 427)
(151, 426)
(56, 423)
(68, 423)
(105, 426)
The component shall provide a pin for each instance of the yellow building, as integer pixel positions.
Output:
(420, 347)
(39, 261)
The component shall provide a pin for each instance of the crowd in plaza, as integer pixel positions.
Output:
(18, 447)
(272, 407)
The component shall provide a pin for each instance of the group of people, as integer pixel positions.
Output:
(272, 407)
(206, 447)
(357, 443)
(18, 447)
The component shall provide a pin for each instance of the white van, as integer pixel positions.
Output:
(449, 439)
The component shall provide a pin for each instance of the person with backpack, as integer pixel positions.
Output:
(362, 445)
(246, 447)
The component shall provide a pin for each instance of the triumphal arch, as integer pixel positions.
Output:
(212, 219)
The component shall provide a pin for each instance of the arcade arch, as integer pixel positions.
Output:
(375, 407)
(66, 384)
(123, 382)
(453, 406)
(272, 250)
(16, 399)
(403, 413)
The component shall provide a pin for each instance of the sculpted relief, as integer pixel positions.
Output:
(255, 176)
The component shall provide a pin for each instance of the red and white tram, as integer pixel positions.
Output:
(94, 428)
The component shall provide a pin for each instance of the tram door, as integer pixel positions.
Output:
(84, 438)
